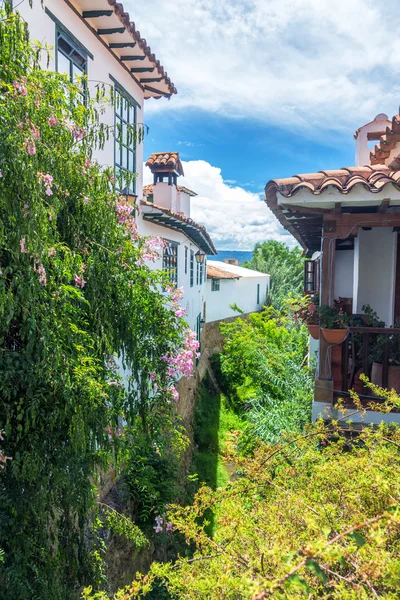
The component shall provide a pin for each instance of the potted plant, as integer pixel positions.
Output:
(307, 312)
(377, 353)
(333, 323)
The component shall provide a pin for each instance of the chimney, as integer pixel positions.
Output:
(232, 261)
(367, 136)
(166, 168)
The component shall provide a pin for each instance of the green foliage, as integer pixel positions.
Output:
(316, 516)
(264, 373)
(121, 525)
(76, 303)
(285, 267)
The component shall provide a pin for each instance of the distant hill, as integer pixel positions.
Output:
(241, 255)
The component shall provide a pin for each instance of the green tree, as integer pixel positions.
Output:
(76, 304)
(316, 516)
(283, 264)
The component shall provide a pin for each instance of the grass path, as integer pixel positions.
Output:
(214, 420)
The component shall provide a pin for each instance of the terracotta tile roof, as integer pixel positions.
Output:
(344, 180)
(141, 42)
(387, 143)
(148, 190)
(216, 273)
(306, 228)
(165, 161)
(197, 233)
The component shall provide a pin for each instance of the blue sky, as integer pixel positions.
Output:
(266, 89)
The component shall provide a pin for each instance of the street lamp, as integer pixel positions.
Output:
(200, 256)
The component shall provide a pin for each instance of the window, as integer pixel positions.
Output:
(124, 136)
(201, 273)
(311, 276)
(258, 293)
(215, 285)
(197, 273)
(186, 259)
(191, 268)
(170, 261)
(71, 59)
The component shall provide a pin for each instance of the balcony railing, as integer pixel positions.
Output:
(357, 356)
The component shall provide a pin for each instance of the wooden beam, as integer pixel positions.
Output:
(338, 208)
(375, 135)
(143, 70)
(130, 57)
(327, 297)
(347, 224)
(93, 14)
(111, 31)
(384, 205)
(154, 91)
(123, 45)
(151, 80)
(306, 209)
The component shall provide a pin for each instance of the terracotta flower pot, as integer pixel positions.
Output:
(393, 376)
(334, 336)
(314, 331)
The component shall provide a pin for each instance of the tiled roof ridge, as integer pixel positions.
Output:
(218, 273)
(165, 159)
(386, 144)
(184, 219)
(131, 28)
(344, 179)
(148, 189)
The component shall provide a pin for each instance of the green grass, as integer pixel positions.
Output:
(214, 420)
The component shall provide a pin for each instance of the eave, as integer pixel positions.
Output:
(166, 218)
(111, 24)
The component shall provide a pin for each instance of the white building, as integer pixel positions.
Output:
(96, 38)
(228, 284)
(165, 212)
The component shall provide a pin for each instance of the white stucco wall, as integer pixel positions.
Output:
(104, 64)
(380, 123)
(344, 270)
(374, 271)
(241, 291)
(194, 297)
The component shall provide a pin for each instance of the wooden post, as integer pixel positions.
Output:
(327, 296)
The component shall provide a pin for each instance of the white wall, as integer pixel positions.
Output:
(374, 271)
(344, 269)
(194, 297)
(165, 195)
(380, 123)
(43, 28)
(242, 291)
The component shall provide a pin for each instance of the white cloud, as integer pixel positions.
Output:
(235, 218)
(302, 63)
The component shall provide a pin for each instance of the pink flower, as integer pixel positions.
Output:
(180, 312)
(78, 133)
(174, 393)
(20, 87)
(79, 281)
(1, 173)
(37, 103)
(39, 268)
(88, 163)
(35, 132)
(29, 147)
(152, 376)
(86, 200)
(22, 243)
(169, 527)
(52, 121)
(116, 383)
(51, 252)
(49, 191)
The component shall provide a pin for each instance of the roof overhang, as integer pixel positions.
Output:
(301, 202)
(165, 218)
(110, 23)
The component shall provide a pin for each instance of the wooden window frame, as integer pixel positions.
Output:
(170, 261)
(215, 285)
